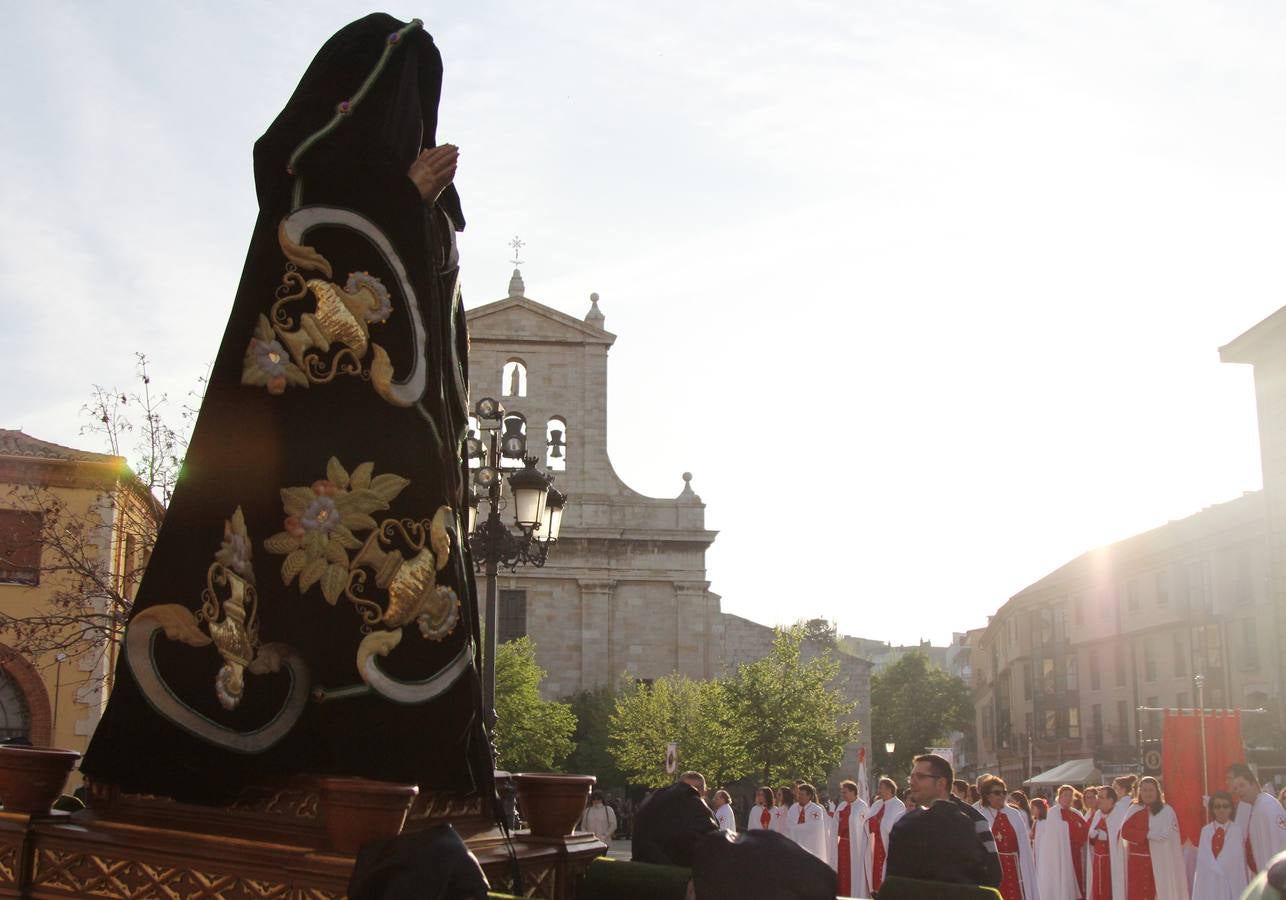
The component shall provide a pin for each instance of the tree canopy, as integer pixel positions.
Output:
(532, 734)
(695, 714)
(792, 716)
(781, 717)
(916, 706)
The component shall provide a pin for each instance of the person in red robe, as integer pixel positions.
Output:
(1140, 883)
(881, 817)
(1077, 834)
(1010, 831)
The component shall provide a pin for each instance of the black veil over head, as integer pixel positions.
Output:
(396, 119)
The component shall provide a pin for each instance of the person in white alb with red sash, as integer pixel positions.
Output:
(880, 819)
(1221, 862)
(850, 842)
(781, 812)
(761, 814)
(808, 826)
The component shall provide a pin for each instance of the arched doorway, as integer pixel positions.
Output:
(24, 702)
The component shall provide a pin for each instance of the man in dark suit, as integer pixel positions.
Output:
(937, 840)
(670, 822)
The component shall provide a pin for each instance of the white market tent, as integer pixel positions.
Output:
(1074, 772)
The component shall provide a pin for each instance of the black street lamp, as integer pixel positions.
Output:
(538, 515)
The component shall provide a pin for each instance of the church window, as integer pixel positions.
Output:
(511, 616)
(513, 379)
(19, 547)
(556, 445)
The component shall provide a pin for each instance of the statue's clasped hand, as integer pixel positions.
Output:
(433, 170)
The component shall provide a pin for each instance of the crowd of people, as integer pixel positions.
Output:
(1118, 841)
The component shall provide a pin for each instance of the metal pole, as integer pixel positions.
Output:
(1201, 718)
(492, 529)
(58, 684)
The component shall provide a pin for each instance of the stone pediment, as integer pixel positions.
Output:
(520, 319)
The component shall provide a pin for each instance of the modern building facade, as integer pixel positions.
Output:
(1059, 671)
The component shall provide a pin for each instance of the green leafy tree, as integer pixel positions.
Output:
(793, 717)
(593, 711)
(532, 734)
(916, 706)
(695, 714)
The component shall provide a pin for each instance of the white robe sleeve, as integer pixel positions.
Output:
(1267, 829)
(1168, 870)
(1225, 877)
(857, 832)
(1026, 855)
(1055, 878)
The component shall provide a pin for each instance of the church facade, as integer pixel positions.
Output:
(625, 591)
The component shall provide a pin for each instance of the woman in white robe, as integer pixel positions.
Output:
(1169, 875)
(1221, 854)
(781, 812)
(761, 814)
(1013, 841)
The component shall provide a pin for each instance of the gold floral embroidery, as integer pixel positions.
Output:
(399, 557)
(285, 352)
(322, 523)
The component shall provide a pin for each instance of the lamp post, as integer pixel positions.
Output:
(538, 515)
(58, 689)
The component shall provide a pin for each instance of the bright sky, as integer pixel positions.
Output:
(927, 295)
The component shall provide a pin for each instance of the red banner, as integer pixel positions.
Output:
(1181, 763)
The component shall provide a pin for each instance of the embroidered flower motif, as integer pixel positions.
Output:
(267, 364)
(321, 514)
(235, 551)
(381, 306)
(322, 523)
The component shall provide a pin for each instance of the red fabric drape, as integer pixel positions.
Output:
(1181, 763)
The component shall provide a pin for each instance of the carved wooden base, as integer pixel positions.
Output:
(269, 846)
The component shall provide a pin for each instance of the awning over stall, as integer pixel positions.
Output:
(1073, 772)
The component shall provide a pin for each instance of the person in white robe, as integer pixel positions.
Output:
(808, 826)
(1169, 874)
(1261, 816)
(850, 841)
(1055, 878)
(882, 815)
(781, 812)
(1124, 787)
(1105, 842)
(723, 812)
(762, 813)
(992, 805)
(599, 819)
(1221, 862)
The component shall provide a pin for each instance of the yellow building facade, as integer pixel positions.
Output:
(74, 530)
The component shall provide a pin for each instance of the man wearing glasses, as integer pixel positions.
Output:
(937, 840)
